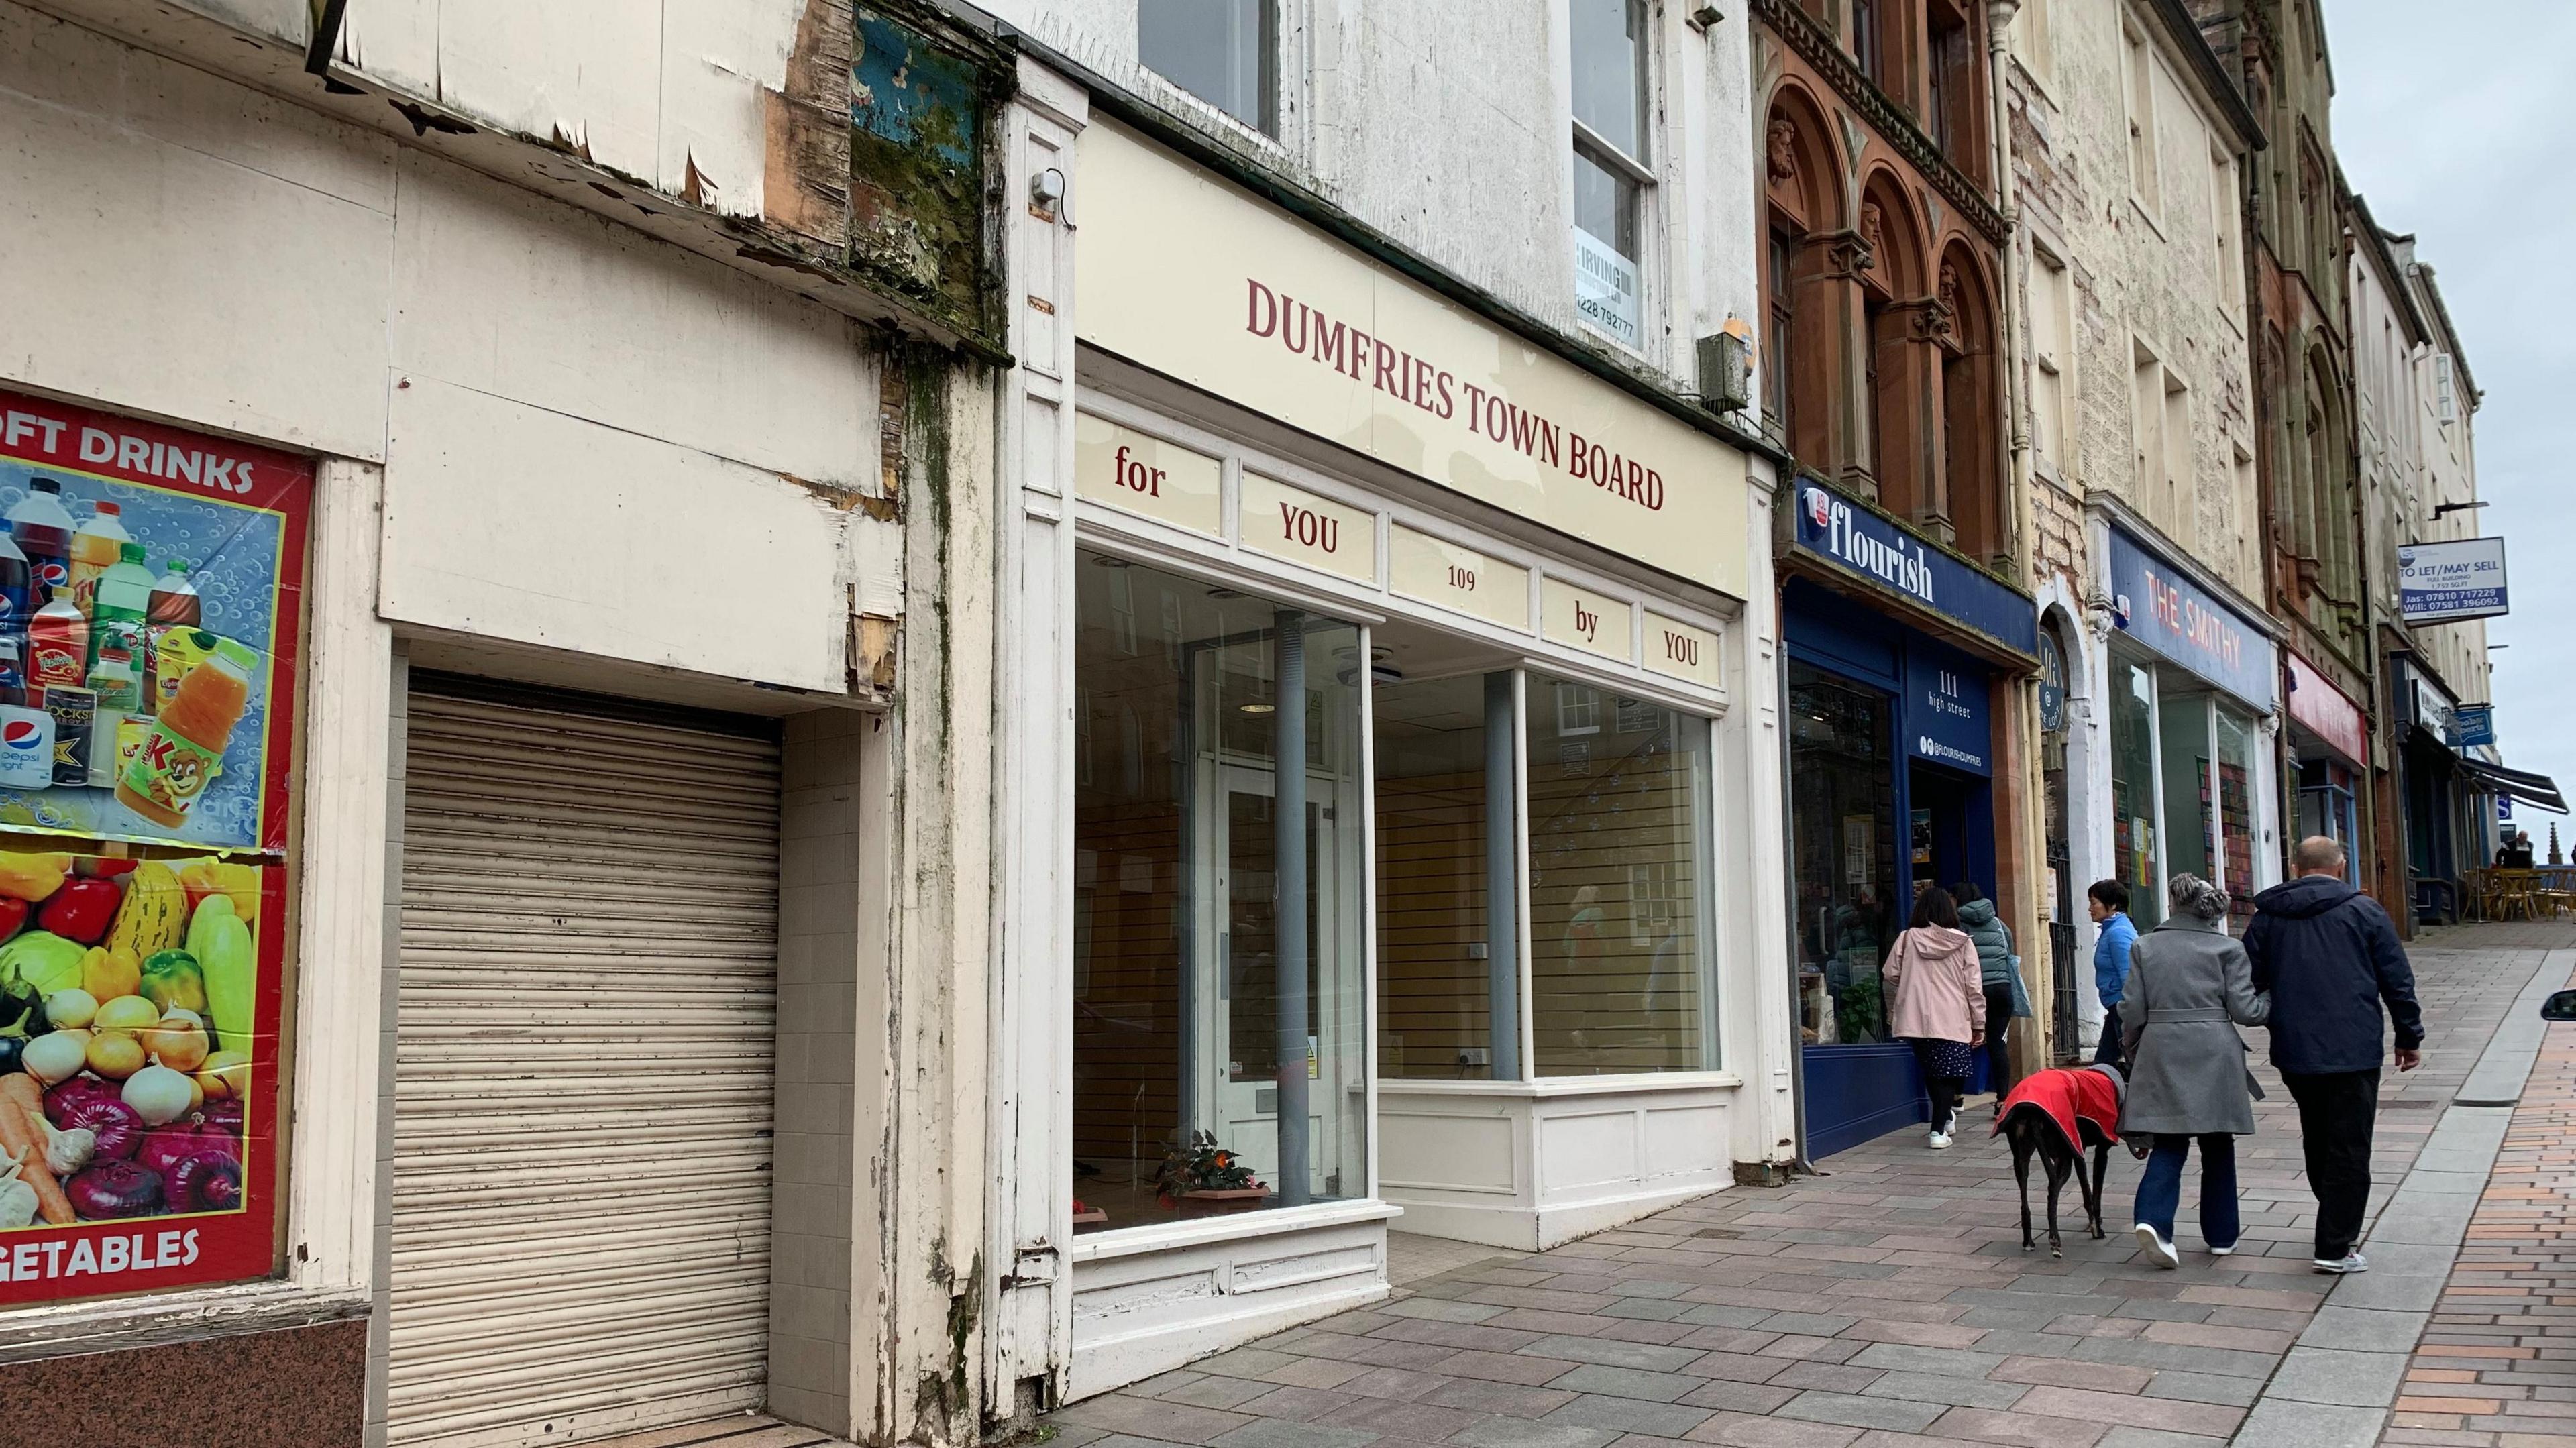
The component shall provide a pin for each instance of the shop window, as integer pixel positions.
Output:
(1620, 917)
(1217, 1036)
(1448, 853)
(1843, 826)
(1611, 163)
(2190, 786)
(2133, 790)
(2235, 752)
(1225, 52)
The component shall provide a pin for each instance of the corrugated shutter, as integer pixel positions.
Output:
(583, 1072)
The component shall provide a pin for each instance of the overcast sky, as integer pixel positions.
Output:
(2449, 125)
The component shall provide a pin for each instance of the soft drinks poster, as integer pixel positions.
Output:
(149, 588)
(139, 1006)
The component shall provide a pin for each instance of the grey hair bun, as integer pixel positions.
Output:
(2196, 897)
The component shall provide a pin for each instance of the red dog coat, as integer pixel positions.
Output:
(2066, 1095)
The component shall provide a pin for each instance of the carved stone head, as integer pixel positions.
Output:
(1783, 149)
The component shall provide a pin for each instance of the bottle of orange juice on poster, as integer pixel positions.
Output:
(186, 747)
(95, 549)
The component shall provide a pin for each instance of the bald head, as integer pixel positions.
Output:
(2317, 855)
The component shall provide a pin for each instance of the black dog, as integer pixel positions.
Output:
(2030, 1128)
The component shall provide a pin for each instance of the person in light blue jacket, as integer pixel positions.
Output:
(2107, 901)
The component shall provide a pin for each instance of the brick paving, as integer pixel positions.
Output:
(1886, 1303)
(2497, 1365)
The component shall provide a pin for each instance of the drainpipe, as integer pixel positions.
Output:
(2030, 822)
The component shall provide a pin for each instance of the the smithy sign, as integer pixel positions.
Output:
(1200, 282)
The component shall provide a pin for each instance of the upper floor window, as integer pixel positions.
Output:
(1951, 88)
(1611, 174)
(1869, 45)
(2223, 222)
(2052, 348)
(2138, 81)
(2032, 41)
(1225, 52)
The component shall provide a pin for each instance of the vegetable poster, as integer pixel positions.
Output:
(139, 1005)
(150, 590)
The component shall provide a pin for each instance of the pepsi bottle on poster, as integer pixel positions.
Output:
(17, 581)
(42, 529)
(13, 678)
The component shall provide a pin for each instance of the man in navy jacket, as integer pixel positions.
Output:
(2330, 959)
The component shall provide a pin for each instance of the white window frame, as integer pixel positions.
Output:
(1586, 144)
(2138, 93)
(2055, 355)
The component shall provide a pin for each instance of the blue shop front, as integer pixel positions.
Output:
(1899, 656)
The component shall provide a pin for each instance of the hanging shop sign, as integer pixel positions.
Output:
(150, 583)
(2327, 712)
(1946, 718)
(2448, 582)
(2473, 725)
(1202, 283)
(1860, 541)
(139, 1006)
(2153, 604)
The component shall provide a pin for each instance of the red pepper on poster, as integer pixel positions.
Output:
(82, 910)
(13, 915)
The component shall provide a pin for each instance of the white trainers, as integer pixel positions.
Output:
(2158, 1250)
(1940, 1141)
(2222, 1251)
(2350, 1262)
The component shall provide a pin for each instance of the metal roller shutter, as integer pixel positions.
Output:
(583, 1072)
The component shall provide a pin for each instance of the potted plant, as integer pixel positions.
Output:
(1087, 1216)
(1196, 1169)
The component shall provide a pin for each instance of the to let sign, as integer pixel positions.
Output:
(2447, 582)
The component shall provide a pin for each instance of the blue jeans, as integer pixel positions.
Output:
(2160, 1190)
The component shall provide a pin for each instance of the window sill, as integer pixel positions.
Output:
(2147, 216)
(126, 1323)
(1547, 1087)
(1139, 1241)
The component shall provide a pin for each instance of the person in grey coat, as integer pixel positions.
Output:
(2190, 987)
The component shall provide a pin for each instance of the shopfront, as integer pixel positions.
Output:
(2191, 703)
(1406, 780)
(2329, 747)
(1898, 656)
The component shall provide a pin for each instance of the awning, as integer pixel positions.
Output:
(2535, 789)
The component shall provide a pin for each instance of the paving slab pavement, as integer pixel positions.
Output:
(1888, 1301)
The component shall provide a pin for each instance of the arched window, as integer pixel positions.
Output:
(1801, 347)
(1898, 374)
(1971, 409)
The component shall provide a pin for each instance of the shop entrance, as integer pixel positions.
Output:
(1951, 836)
(1239, 1031)
(584, 1067)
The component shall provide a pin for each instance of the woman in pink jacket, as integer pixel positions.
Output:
(1938, 1003)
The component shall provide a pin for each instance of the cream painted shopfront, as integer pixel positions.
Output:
(1411, 825)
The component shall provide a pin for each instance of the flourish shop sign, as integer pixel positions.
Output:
(1202, 283)
(1861, 541)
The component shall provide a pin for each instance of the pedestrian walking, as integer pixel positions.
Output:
(1937, 1003)
(2329, 958)
(1997, 971)
(2107, 901)
(2189, 988)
